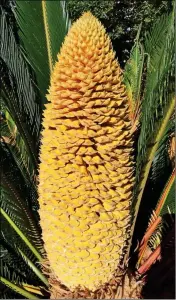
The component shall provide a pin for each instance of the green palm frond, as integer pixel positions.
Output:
(20, 236)
(159, 46)
(19, 215)
(158, 101)
(18, 91)
(16, 145)
(18, 266)
(165, 253)
(163, 270)
(33, 267)
(16, 199)
(161, 160)
(151, 151)
(133, 76)
(20, 121)
(166, 203)
(19, 260)
(42, 35)
(157, 105)
(164, 210)
(11, 246)
(18, 289)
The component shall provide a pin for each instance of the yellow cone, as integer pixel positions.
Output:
(86, 170)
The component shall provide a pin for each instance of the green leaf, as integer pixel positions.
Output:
(34, 268)
(16, 203)
(164, 208)
(133, 75)
(158, 100)
(13, 266)
(18, 289)
(16, 145)
(42, 35)
(161, 160)
(18, 91)
(20, 123)
(167, 197)
(18, 264)
(151, 153)
(20, 233)
(19, 214)
(159, 46)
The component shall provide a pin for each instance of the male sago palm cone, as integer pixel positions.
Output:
(86, 169)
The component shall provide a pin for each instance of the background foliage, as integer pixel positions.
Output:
(121, 19)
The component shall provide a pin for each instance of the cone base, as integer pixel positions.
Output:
(121, 286)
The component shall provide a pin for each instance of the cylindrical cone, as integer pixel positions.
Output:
(86, 170)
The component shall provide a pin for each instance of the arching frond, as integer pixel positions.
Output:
(133, 77)
(18, 289)
(162, 159)
(157, 104)
(159, 86)
(43, 38)
(18, 91)
(20, 235)
(14, 141)
(163, 213)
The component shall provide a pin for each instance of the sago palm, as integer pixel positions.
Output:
(104, 148)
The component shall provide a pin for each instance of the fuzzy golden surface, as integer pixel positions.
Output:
(86, 169)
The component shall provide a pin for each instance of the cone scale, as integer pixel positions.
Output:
(86, 169)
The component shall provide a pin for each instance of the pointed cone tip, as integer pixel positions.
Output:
(87, 14)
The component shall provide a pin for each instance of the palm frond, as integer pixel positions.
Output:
(33, 267)
(20, 236)
(20, 218)
(12, 256)
(18, 223)
(164, 251)
(133, 76)
(163, 270)
(165, 207)
(162, 159)
(157, 105)
(18, 289)
(14, 268)
(42, 35)
(21, 250)
(152, 148)
(17, 199)
(167, 197)
(159, 46)
(18, 91)
(16, 145)
(158, 101)
(20, 233)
